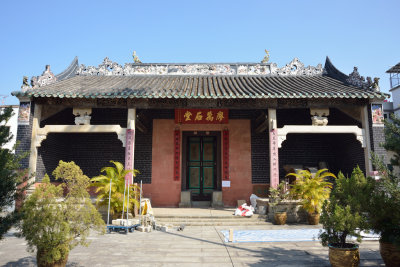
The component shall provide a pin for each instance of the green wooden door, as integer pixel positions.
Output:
(201, 166)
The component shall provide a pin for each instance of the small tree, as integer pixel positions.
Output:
(343, 214)
(54, 224)
(12, 180)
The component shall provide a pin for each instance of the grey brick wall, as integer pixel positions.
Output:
(342, 152)
(24, 135)
(94, 151)
(377, 136)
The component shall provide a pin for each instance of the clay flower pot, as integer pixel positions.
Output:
(344, 257)
(280, 217)
(390, 254)
(313, 218)
(40, 263)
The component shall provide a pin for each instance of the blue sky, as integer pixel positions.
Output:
(352, 33)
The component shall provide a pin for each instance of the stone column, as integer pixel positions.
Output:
(34, 151)
(273, 148)
(367, 148)
(130, 144)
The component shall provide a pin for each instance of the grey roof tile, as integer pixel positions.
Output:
(159, 86)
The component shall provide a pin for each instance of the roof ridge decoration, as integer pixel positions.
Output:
(108, 68)
(46, 78)
(296, 67)
(356, 79)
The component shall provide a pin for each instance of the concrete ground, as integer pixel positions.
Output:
(194, 246)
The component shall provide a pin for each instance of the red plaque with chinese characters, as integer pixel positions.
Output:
(129, 153)
(177, 156)
(225, 155)
(201, 116)
(274, 158)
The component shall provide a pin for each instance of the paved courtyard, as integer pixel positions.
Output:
(195, 246)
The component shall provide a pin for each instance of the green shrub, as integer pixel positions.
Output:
(54, 224)
(342, 215)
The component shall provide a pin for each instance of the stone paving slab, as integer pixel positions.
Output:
(195, 246)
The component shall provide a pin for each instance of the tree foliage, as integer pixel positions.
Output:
(54, 224)
(117, 177)
(342, 214)
(384, 205)
(12, 179)
(392, 138)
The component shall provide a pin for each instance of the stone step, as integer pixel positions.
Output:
(212, 223)
(212, 219)
(223, 217)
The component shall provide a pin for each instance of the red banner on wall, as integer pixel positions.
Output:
(129, 154)
(177, 149)
(274, 158)
(201, 116)
(225, 155)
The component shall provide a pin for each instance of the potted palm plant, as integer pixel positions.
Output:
(277, 196)
(342, 216)
(117, 177)
(52, 223)
(313, 190)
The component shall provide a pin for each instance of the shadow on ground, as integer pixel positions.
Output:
(31, 261)
(271, 256)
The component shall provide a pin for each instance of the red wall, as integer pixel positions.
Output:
(165, 192)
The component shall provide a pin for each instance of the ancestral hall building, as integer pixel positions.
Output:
(200, 131)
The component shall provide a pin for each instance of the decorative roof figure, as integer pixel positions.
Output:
(25, 84)
(46, 78)
(266, 57)
(136, 58)
(375, 85)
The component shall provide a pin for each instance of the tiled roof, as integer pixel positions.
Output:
(394, 69)
(201, 86)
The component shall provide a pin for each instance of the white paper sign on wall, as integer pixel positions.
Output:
(226, 183)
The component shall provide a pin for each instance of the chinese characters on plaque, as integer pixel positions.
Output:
(129, 154)
(201, 116)
(177, 149)
(274, 158)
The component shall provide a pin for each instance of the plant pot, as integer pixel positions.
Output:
(313, 218)
(390, 254)
(40, 263)
(280, 218)
(344, 257)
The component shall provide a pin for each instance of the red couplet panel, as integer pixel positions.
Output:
(177, 149)
(201, 116)
(129, 153)
(274, 158)
(225, 154)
